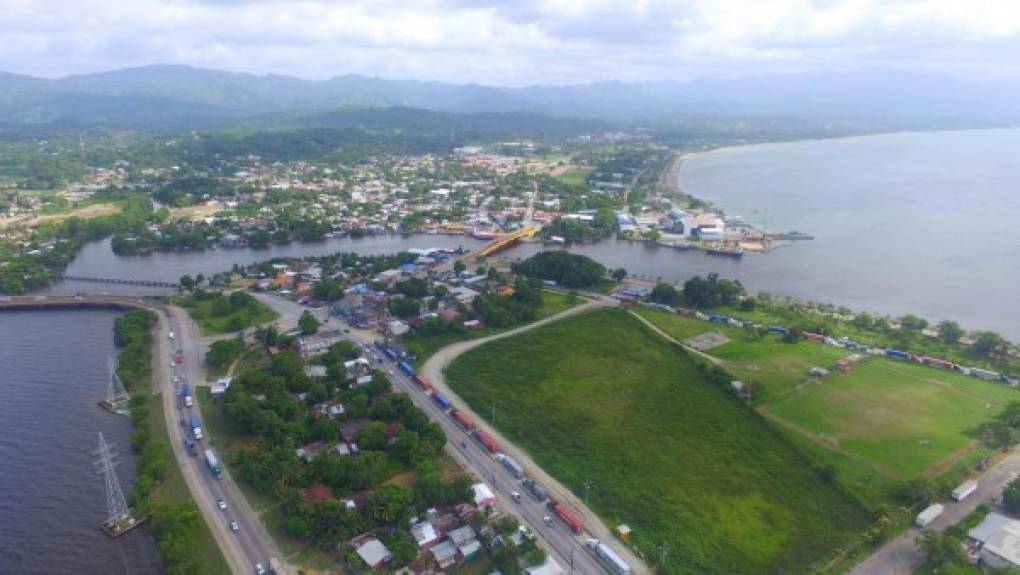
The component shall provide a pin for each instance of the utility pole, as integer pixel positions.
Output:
(118, 515)
(493, 411)
(663, 553)
(587, 489)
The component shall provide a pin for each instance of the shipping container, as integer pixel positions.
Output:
(462, 419)
(568, 517)
(928, 515)
(422, 382)
(815, 337)
(615, 563)
(897, 354)
(939, 363)
(213, 463)
(486, 440)
(406, 368)
(179, 357)
(512, 466)
(965, 489)
(778, 330)
(985, 374)
(440, 400)
(390, 353)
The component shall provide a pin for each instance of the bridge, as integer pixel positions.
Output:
(506, 241)
(109, 301)
(145, 283)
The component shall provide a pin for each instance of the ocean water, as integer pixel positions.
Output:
(925, 223)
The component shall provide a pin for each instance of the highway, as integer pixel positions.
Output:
(554, 536)
(251, 544)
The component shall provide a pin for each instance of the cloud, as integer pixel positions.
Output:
(506, 42)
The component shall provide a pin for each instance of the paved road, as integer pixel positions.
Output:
(251, 544)
(554, 537)
(557, 536)
(901, 554)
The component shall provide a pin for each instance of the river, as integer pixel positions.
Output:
(51, 499)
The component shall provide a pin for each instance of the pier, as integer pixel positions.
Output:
(118, 281)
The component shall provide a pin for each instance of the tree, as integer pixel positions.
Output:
(619, 274)
(221, 353)
(989, 345)
(308, 323)
(913, 323)
(1011, 496)
(404, 307)
(664, 293)
(941, 549)
(388, 504)
(459, 267)
(950, 331)
(187, 282)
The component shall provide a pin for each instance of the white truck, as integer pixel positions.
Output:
(609, 557)
(965, 489)
(930, 513)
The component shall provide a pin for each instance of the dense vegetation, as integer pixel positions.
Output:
(184, 542)
(669, 449)
(564, 268)
(219, 313)
(394, 437)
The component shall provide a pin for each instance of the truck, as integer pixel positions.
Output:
(777, 330)
(897, 354)
(532, 486)
(179, 357)
(464, 421)
(440, 400)
(390, 353)
(196, 428)
(928, 515)
(186, 394)
(213, 463)
(406, 368)
(487, 441)
(609, 557)
(189, 444)
(567, 516)
(422, 382)
(965, 489)
(512, 466)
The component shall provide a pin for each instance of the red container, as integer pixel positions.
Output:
(180, 357)
(564, 513)
(463, 420)
(422, 382)
(487, 441)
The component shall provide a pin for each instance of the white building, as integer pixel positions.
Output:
(999, 538)
(374, 553)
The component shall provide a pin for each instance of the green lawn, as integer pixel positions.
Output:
(576, 176)
(680, 460)
(211, 323)
(903, 417)
(423, 347)
(174, 491)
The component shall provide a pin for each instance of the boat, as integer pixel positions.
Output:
(794, 235)
(734, 252)
(557, 240)
(484, 234)
(679, 245)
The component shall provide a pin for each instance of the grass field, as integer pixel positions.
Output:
(576, 176)
(680, 460)
(903, 417)
(172, 490)
(423, 347)
(211, 323)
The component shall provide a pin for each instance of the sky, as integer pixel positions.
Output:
(512, 42)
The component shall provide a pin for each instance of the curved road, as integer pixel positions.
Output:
(557, 536)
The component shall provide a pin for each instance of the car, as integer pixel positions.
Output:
(347, 330)
(221, 504)
(260, 569)
(515, 496)
(234, 526)
(548, 520)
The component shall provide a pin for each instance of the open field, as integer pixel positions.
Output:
(679, 459)
(573, 175)
(212, 322)
(423, 347)
(85, 213)
(196, 212)
(903, 417)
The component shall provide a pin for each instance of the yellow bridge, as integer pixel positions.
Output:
(505, 241)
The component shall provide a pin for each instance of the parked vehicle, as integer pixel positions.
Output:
(221, 504)
(464, 421)
(512, 466)
(897, 354)
(515, 496)
(234, 526)
(179, 357)
(406, 368)
(532, 486)
(196, 428)
(422, 382)
(487, 441)
(609, 557)
(189, 445)
(440, 400)
(213, 463)
(567, 516)
(928, 515)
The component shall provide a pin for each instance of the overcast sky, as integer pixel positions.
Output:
(511, 42)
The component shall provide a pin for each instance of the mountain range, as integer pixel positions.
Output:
(173, 95)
